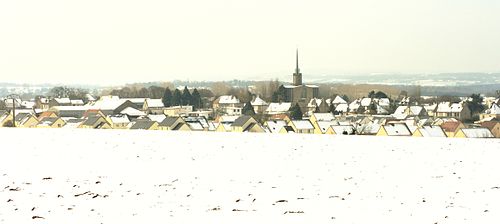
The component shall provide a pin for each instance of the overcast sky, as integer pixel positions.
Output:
(118, 41)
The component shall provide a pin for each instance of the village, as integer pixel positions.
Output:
(364, 116)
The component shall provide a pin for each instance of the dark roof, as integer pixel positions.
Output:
(21, 116)
(76, 120)
(178, 126)
(142, 124)
(489, 124)
(240, 121)
(49, 119)
(169, 121)
(450, 126)
(288, 128)
(249, 127)
(91, 120)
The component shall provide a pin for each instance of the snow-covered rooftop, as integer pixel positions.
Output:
(228, 99)
(275, 108)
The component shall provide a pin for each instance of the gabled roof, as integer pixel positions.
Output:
(63, 100)
(278, 107)
(343, 107)
(77, 102)
(228, 99)
(259, 102)
(494, 110)
(324, 116)
(90, 121)
(489, 124)
(241, 121)
(155, 103)
(477, 133)
(450, 126)
(432, 131)
(288, 129)
(324, 125)
(397, 129)
(157, 117)
(132, 112)
(338, 100)
(142, 124)
(48, 121)
(343, 129)
(302, 124)
(366, 102)
(119, 119)
(169, 121)
(275, 126)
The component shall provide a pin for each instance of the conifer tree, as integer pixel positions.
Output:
(167, 98)
(295, 112)
(248, 109)
(196, 99)
(176, 98)
(186, 97)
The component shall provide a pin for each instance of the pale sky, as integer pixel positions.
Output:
(118, 41)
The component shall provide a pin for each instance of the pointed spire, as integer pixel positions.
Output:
(297, 70)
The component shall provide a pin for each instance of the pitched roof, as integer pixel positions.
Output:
(132, 112)
(450, 126)
(494, 109)
(432, 131)
(275, 126)
(228, 99)
(338, 100)
(91, 120)
(47, 121)
(302, 124)
(489, 124)
(169, 121)
(63, 100)
(477, 133)
(157, 103)
(142, 124)
(324, 116)
(278, 107)
(119, 119)
(397, 129)
(343, 129)
(259, 102)
(240, 121)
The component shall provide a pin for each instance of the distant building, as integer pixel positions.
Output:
(299, 92)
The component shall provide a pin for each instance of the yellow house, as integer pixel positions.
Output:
(173, 124)
(452, 127)
(417, 133)
(341, 130)
(274, 126)
(321, 127)
(51, 122)
(246, 124)
(493, 126)
(95, 122)
(474, 133)
(223, 127)
(5, 117)
(118, 121)
(302, 126)
(394, 129)
(47, 114)
(286, 130)
(26, 120)
(144, 125)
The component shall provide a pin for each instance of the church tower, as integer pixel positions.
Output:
(297, 76)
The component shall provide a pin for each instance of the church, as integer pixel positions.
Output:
(299, 92)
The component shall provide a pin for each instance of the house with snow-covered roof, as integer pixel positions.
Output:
(302, 126)
(341, 130)
(153, 106)
(453, 110)
(26, 120)
(492, 112)
(95, 122)
(59, 102)
(474, 133)
(394, 129)
(278, 108)
(430, 131)
(259, 105)
(451, 127)
(119, 121)
(246, 124)
(493, 126)
(51, 122)
(274, 126)
(144, 125)
(173, 124)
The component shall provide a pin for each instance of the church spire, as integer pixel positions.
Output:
(297, 70)
(297, 76)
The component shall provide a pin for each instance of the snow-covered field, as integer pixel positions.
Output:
(122, 176)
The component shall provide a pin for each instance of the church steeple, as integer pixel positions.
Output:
(297, 76)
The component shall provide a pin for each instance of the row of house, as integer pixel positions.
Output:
(317, 123)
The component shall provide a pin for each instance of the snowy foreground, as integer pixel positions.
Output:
(113, 176)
